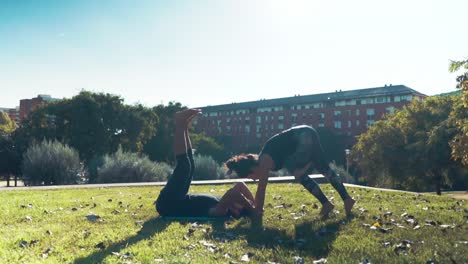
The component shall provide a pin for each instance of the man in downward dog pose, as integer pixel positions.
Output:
(174, 199)
(297, 149)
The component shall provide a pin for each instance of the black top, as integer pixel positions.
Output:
(285, 144)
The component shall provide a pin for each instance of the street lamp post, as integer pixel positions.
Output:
(347, 151)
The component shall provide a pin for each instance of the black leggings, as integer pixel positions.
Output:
(310, 149)
(174, 199)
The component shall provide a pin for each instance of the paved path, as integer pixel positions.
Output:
(317, 177)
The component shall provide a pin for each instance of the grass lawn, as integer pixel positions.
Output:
(389, 227)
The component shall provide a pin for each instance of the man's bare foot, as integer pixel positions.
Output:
(326, 209)
(348, 205)
(185, 116)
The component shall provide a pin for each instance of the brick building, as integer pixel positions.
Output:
(344, 112)
(28, 105)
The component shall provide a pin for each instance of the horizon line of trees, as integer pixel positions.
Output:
(424, 144)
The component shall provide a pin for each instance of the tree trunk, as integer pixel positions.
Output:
(16, 180)
(7, 178)
(438, 189)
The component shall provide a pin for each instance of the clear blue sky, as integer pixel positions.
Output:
(213, 52)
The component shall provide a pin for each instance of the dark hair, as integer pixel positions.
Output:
(242, 164)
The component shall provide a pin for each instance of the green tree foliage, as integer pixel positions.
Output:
(209, 147)
(9, 158)
(131, 167)
(411, 149)
(51, 163)
(459, 144)
(94, 124)
(159, 147)
(7, 126)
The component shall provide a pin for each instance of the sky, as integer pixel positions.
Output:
(210, 52)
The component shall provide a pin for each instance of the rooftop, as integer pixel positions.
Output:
(306, 99)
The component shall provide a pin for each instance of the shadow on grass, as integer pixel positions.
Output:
(310, 237)
(150, 227)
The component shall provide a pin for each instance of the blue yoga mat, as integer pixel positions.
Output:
(194, 218)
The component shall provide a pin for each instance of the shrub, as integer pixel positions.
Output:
(51, 162)
(131, 167)
(206, 168)
(345, 177)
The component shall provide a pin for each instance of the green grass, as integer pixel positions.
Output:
(53, 227)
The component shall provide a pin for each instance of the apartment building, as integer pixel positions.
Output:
(28, 105)
(344, 112)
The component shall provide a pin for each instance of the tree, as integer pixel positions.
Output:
(459, 144)
(7, 126)
(10, 160)
(411, 149)
(208, 146)
(94, 124)
(159, 146)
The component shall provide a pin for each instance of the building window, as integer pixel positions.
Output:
(280, 117)
(349, 124)
(321, 125)
(340, 103)
(280, 126)
(358, 112)
(380, 100)
(348, 113)
(370, 123)
(259, 135)
(337, 124)
(247, 128)
(294, 117)
(390, 110)
(321, 116)
(358, 123)
(259, 119)
(337, 114)
(370, 114)
(258, 128)
(397, 98)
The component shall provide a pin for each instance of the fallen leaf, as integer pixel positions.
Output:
(298, 260)
(92, 217)
(100, 245)
(23, 243)
(322, 260)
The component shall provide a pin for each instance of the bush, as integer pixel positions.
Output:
(206, 168)
(345, 177)
(50, 163)
(131, 167)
